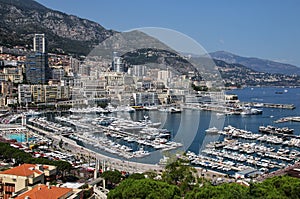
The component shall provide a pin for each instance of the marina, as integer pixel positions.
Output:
(242, 143)
(111, 134)
(240, 150)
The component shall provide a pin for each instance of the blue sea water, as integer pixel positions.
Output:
(268, 95)
(189, 126)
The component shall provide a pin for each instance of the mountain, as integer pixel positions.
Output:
(239, 75)
(20, 19)
(260, 65)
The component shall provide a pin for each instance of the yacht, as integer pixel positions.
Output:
(251, 111)
(212, 130)
(170, 110)
(151, 108)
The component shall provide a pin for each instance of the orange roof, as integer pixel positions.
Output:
(22, 170)
(42, 191)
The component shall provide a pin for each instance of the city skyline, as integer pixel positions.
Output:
(266, 30)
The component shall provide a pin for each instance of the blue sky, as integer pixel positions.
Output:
(268, 29)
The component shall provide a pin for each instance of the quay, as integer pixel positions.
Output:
(268, 105)
(288, 119)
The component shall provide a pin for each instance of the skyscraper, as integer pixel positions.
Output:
(37, 69)
(118, 65)
(39, 43)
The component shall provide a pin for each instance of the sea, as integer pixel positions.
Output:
(188, 127)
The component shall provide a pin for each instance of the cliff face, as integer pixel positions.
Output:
(20, 19)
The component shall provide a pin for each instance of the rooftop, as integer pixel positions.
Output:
(23, 170)
(46, 192)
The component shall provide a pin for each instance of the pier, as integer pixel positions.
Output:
(288, 119)
(268, 105)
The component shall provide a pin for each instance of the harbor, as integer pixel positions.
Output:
(239, 150)
(243, 142)
(124, 138)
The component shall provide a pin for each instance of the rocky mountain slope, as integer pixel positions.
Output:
(20, 19)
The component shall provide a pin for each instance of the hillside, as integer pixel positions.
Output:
(260, 65)
(20, 19)
(239, 75)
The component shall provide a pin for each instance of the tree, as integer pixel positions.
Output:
(63, 166)
(180, 173)
(136, 176)
(144, 188)
(112, 177)
(21, 157)
(199, 88)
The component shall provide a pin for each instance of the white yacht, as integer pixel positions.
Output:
(212, 130)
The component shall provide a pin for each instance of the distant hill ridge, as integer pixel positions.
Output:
(20, 19)
(260, 65)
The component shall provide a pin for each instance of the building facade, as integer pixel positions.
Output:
(39, 43)
(21, 177)
(37, 68)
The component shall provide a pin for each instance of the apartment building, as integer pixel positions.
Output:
(21, 177)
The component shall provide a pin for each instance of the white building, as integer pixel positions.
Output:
(118, 65)
(164, 76)
(39, 43)
(139, 71)
(146, 99)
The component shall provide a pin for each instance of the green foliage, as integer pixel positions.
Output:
(276, 187)
(144, 188)
(21, 157)
(113, 177)
(179, 180)
(225, 191)
(181, 174)
(199, 88)
(136, 176)
(150, 174)
(87, 193)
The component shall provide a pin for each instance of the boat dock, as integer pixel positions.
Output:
(268, 105)
(288, 119)
(241, 150)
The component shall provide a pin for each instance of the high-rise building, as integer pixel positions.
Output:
(39, 43)
(139, 70)
(37, 68)
(118, 65)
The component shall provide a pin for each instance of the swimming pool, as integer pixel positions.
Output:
(20, 137)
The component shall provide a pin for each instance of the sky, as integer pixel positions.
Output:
(268, 29)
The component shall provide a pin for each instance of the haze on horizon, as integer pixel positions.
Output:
(263, 29)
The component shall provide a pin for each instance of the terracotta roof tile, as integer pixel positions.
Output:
(22, 170)
(42, 191)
